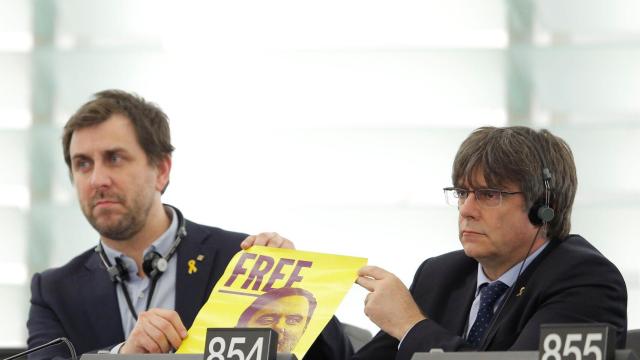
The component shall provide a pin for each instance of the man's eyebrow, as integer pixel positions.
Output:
(79, 156)
(117, 149)
(269, 315)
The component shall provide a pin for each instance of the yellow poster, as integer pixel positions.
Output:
(293, 292)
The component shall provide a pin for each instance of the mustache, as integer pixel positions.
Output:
(106, 196)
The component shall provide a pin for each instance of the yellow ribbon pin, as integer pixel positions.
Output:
(192, 266)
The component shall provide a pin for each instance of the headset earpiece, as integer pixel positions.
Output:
(541, 213)
(118, 273)
(546, 214)
(154, 264)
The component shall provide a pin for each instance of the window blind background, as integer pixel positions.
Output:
(334, 123)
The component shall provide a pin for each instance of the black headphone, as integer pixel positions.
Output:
(541, 212)
(153, 265)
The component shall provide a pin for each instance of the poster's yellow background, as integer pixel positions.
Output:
(328, 279)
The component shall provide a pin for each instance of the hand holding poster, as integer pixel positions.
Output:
(293, 292)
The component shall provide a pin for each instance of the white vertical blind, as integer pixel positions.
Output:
(333, 122)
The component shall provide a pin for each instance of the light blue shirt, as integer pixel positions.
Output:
(509, 278)
(164, 295)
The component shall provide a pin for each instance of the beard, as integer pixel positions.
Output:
(116, 225)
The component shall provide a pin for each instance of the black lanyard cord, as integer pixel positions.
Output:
(130, 303)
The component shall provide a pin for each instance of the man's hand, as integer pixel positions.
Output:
(156, 331)
(389, 303)
(270, 239)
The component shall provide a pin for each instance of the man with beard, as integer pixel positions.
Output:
(140, 289)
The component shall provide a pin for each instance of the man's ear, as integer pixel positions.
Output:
(164, 170)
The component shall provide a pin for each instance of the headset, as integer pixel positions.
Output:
(153, 264)
(540, 214)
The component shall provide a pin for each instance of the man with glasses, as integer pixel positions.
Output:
(519, 268)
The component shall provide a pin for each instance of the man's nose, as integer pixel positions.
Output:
(281, 325)
(100, 176)
(470, 206)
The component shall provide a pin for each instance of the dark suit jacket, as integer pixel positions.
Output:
(79, 301)
(569, 282)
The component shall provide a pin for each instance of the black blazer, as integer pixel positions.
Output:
(79, 301)
(569, 282)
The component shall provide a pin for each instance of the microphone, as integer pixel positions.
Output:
(57, 341)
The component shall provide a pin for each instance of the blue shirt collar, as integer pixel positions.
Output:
(511, 275)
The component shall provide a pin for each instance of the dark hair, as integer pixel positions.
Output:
(273, 295)
(512, 155)
(149, 121)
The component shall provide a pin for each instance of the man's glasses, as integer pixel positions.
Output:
(485, 197)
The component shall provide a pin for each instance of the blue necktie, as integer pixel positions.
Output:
(488, 297)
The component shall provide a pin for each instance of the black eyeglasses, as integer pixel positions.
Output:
(485, 197)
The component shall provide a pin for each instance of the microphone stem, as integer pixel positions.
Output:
(72, 351)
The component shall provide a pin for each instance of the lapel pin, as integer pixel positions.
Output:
(192, 267)
(200, 257)
(520, 292)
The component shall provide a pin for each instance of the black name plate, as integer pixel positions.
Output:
(241, 344)
(577, 342)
